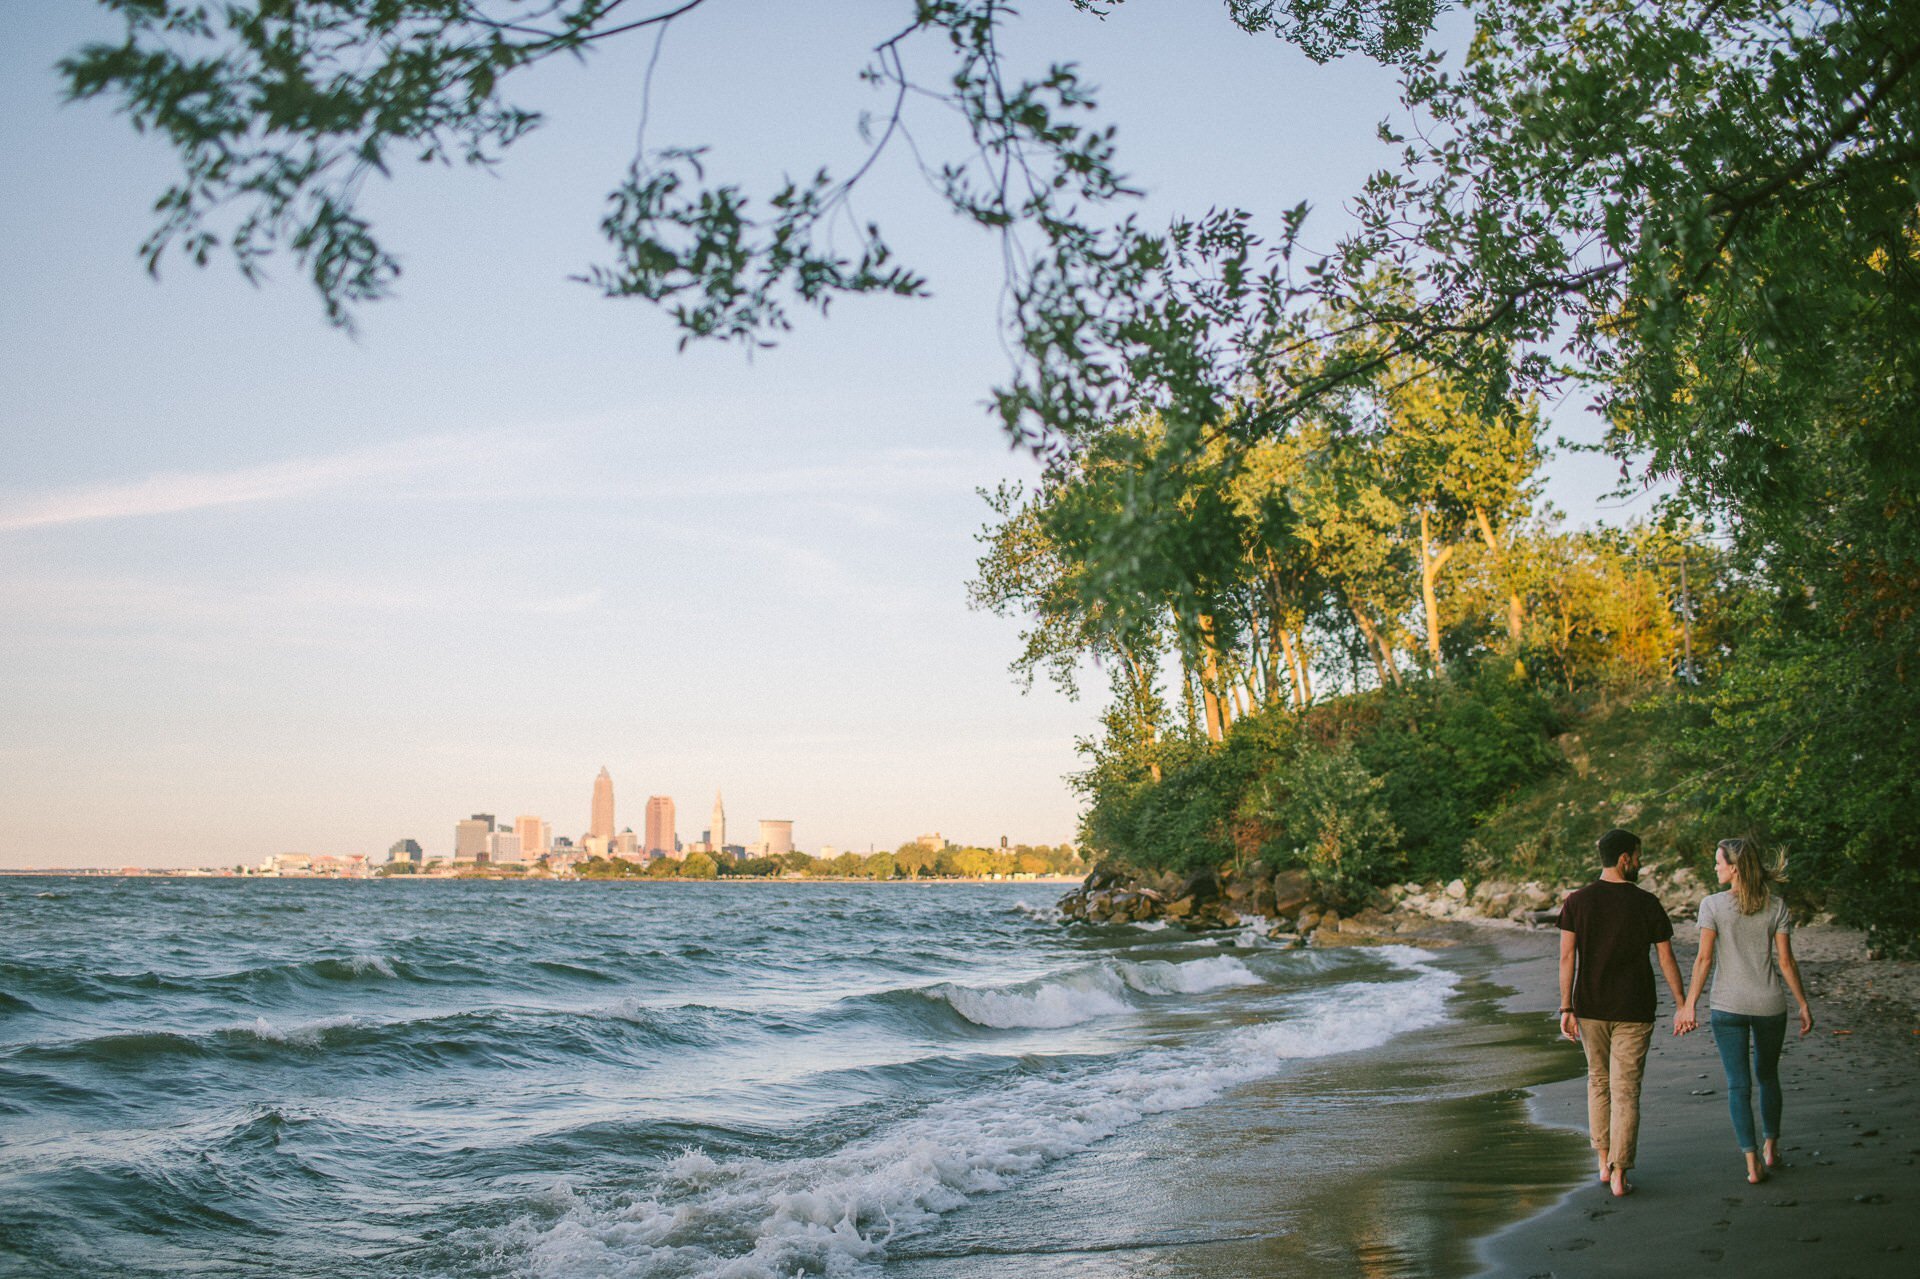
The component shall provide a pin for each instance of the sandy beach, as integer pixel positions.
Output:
(1844, 1206)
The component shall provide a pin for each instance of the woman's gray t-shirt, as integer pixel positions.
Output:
(1746, 967)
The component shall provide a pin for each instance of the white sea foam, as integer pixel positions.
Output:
(836, 1214)
(1045, 912)
(1048, 1004)
(1091, 993)
(308, 1034)
(1192, 977)
(363, 964)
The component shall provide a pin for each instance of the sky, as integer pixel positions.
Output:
(273, 588)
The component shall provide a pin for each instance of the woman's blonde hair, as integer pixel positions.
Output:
(1751, 876)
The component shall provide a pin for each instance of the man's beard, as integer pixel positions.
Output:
(1631, 876)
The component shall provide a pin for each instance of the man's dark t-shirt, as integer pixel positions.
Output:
(1613, 924)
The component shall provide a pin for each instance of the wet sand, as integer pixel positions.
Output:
(1846, 1204)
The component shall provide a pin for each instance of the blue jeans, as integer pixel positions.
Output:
(1731, 1032)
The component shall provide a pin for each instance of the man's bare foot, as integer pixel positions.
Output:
(1621, 1186)
(1605, 1172)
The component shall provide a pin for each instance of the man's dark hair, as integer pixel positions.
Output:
(1616, 844)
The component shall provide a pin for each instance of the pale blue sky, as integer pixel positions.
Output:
(272, 589)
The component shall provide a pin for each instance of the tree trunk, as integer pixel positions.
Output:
(1293, 665)
(1306, 668)
(1383, 662)
(1516, 610)
(1431, 562)
(1143, 696)
(1218, 719)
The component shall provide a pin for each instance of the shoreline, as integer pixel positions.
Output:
(1850, 1135)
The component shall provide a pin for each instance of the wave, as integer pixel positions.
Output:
(1091, 993)
(625, 1031)
(753, 1218)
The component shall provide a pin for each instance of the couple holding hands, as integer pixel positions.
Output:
(1607, 1001)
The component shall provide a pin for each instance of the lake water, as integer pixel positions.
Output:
(318, 1078)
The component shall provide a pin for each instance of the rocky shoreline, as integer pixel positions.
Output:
(1285, 905)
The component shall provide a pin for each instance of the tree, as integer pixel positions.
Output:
(699, 866)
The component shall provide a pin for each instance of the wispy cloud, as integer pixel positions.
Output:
(175, 492)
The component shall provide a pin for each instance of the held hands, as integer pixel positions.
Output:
(1684, 1020)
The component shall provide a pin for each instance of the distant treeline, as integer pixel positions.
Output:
(910, 861)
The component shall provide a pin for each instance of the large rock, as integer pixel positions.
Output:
(1203, 886)
(1291, 892)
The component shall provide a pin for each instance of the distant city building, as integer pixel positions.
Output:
(932, 843)
(560, 845)
(660, 833)
(470, 837)
(717, 834)
(626, 844)
(594, 846)
(404, 850)
(776, 836)
(602, 824)
(533, 835)
(503, 846)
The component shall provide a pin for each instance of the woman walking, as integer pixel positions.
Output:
(1746, 942)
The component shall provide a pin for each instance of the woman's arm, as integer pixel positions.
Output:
(1791, 971)
(1684, 1018)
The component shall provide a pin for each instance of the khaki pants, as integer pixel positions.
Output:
(1616, 1056)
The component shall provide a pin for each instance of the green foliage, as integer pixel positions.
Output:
(698, 866)
(1365, 789)
(1331, 817)
(1449, 752)
(1809, 743)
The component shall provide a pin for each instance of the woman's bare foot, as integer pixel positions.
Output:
(1756, 1171)
(1621, 1186)
(1771, 1155)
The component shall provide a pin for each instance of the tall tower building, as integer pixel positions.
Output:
(602, 825)
(717, 837)
(533, 841)
(660, 833)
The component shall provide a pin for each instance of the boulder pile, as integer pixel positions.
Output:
(1285, 906)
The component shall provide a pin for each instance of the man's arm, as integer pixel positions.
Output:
(1670, 968)
(1569, 1024)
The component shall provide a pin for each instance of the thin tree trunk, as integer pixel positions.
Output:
(1431, 562)
(1306, 667)
(1293, 665)
(1143, 696)
(1217, 716)
(1516, 610)
(1383, 662)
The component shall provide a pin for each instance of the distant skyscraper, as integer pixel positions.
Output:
(776, 837)
(660, 834)
(404, 850)
(470, 838)
(533, 842)
(718, 835)
(602, 824)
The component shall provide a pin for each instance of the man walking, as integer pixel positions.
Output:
(1607, 1000)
